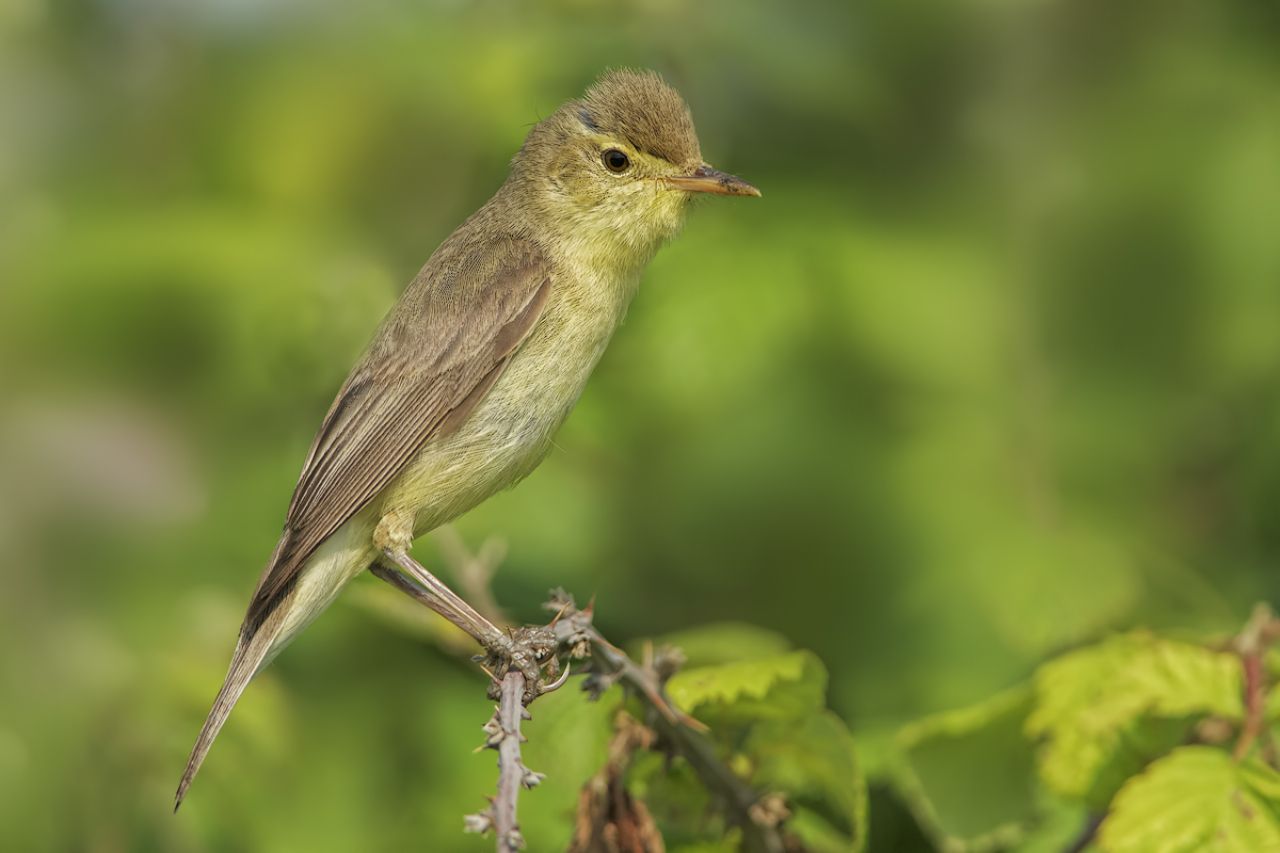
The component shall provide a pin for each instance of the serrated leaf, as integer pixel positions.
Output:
(1073, 688)
(1106, 710)
(942, 756)
(775, 686)
(1184, 678)
(770, 726)
(1195, 799)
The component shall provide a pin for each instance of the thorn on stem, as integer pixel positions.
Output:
(479, 823)
(530, 778)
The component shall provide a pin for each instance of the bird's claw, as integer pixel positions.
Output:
(530, 651)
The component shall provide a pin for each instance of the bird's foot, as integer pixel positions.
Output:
(530, 650)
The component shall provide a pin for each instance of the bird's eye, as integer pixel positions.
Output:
(615, 161)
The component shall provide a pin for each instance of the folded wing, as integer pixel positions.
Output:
(436, 356)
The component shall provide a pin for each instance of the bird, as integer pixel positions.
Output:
(468, 377)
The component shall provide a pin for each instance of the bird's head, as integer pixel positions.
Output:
(614, 171)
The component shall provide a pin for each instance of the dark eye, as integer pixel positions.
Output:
(615, 161)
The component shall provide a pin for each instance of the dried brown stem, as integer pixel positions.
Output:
(1251, 644)
(609, 817)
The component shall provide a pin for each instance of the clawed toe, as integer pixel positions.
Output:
(530, 651)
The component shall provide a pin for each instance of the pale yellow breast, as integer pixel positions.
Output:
(511, 430)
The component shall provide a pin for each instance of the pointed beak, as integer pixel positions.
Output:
(708, 180)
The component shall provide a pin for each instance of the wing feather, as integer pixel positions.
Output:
(434, 358)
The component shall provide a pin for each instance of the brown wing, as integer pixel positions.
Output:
(435, 357)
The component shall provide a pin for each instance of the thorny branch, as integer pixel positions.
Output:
(516, 659)
(503, 734)
(574, 637)
(758, 817)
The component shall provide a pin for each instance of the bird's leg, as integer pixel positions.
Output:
(524, 649)
(429, 590)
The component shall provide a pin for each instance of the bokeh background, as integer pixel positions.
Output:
(992, 368)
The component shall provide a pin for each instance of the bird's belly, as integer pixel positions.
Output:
(509, 432)
(345, 554)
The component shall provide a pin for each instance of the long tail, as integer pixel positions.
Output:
(249, 657)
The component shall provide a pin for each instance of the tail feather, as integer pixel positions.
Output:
(249, 657)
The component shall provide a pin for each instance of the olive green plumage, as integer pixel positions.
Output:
(477, 365)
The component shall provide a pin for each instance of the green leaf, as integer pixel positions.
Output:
(1271, 710)
(812, 760)
(676, 798)
(1195, 799)
(943, 755)
(769, 722)
(776, 686)
(1103, 712)
(730, 843)
(1183, 678)
(1057, 827)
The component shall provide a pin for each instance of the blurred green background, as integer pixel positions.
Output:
(991, 369)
